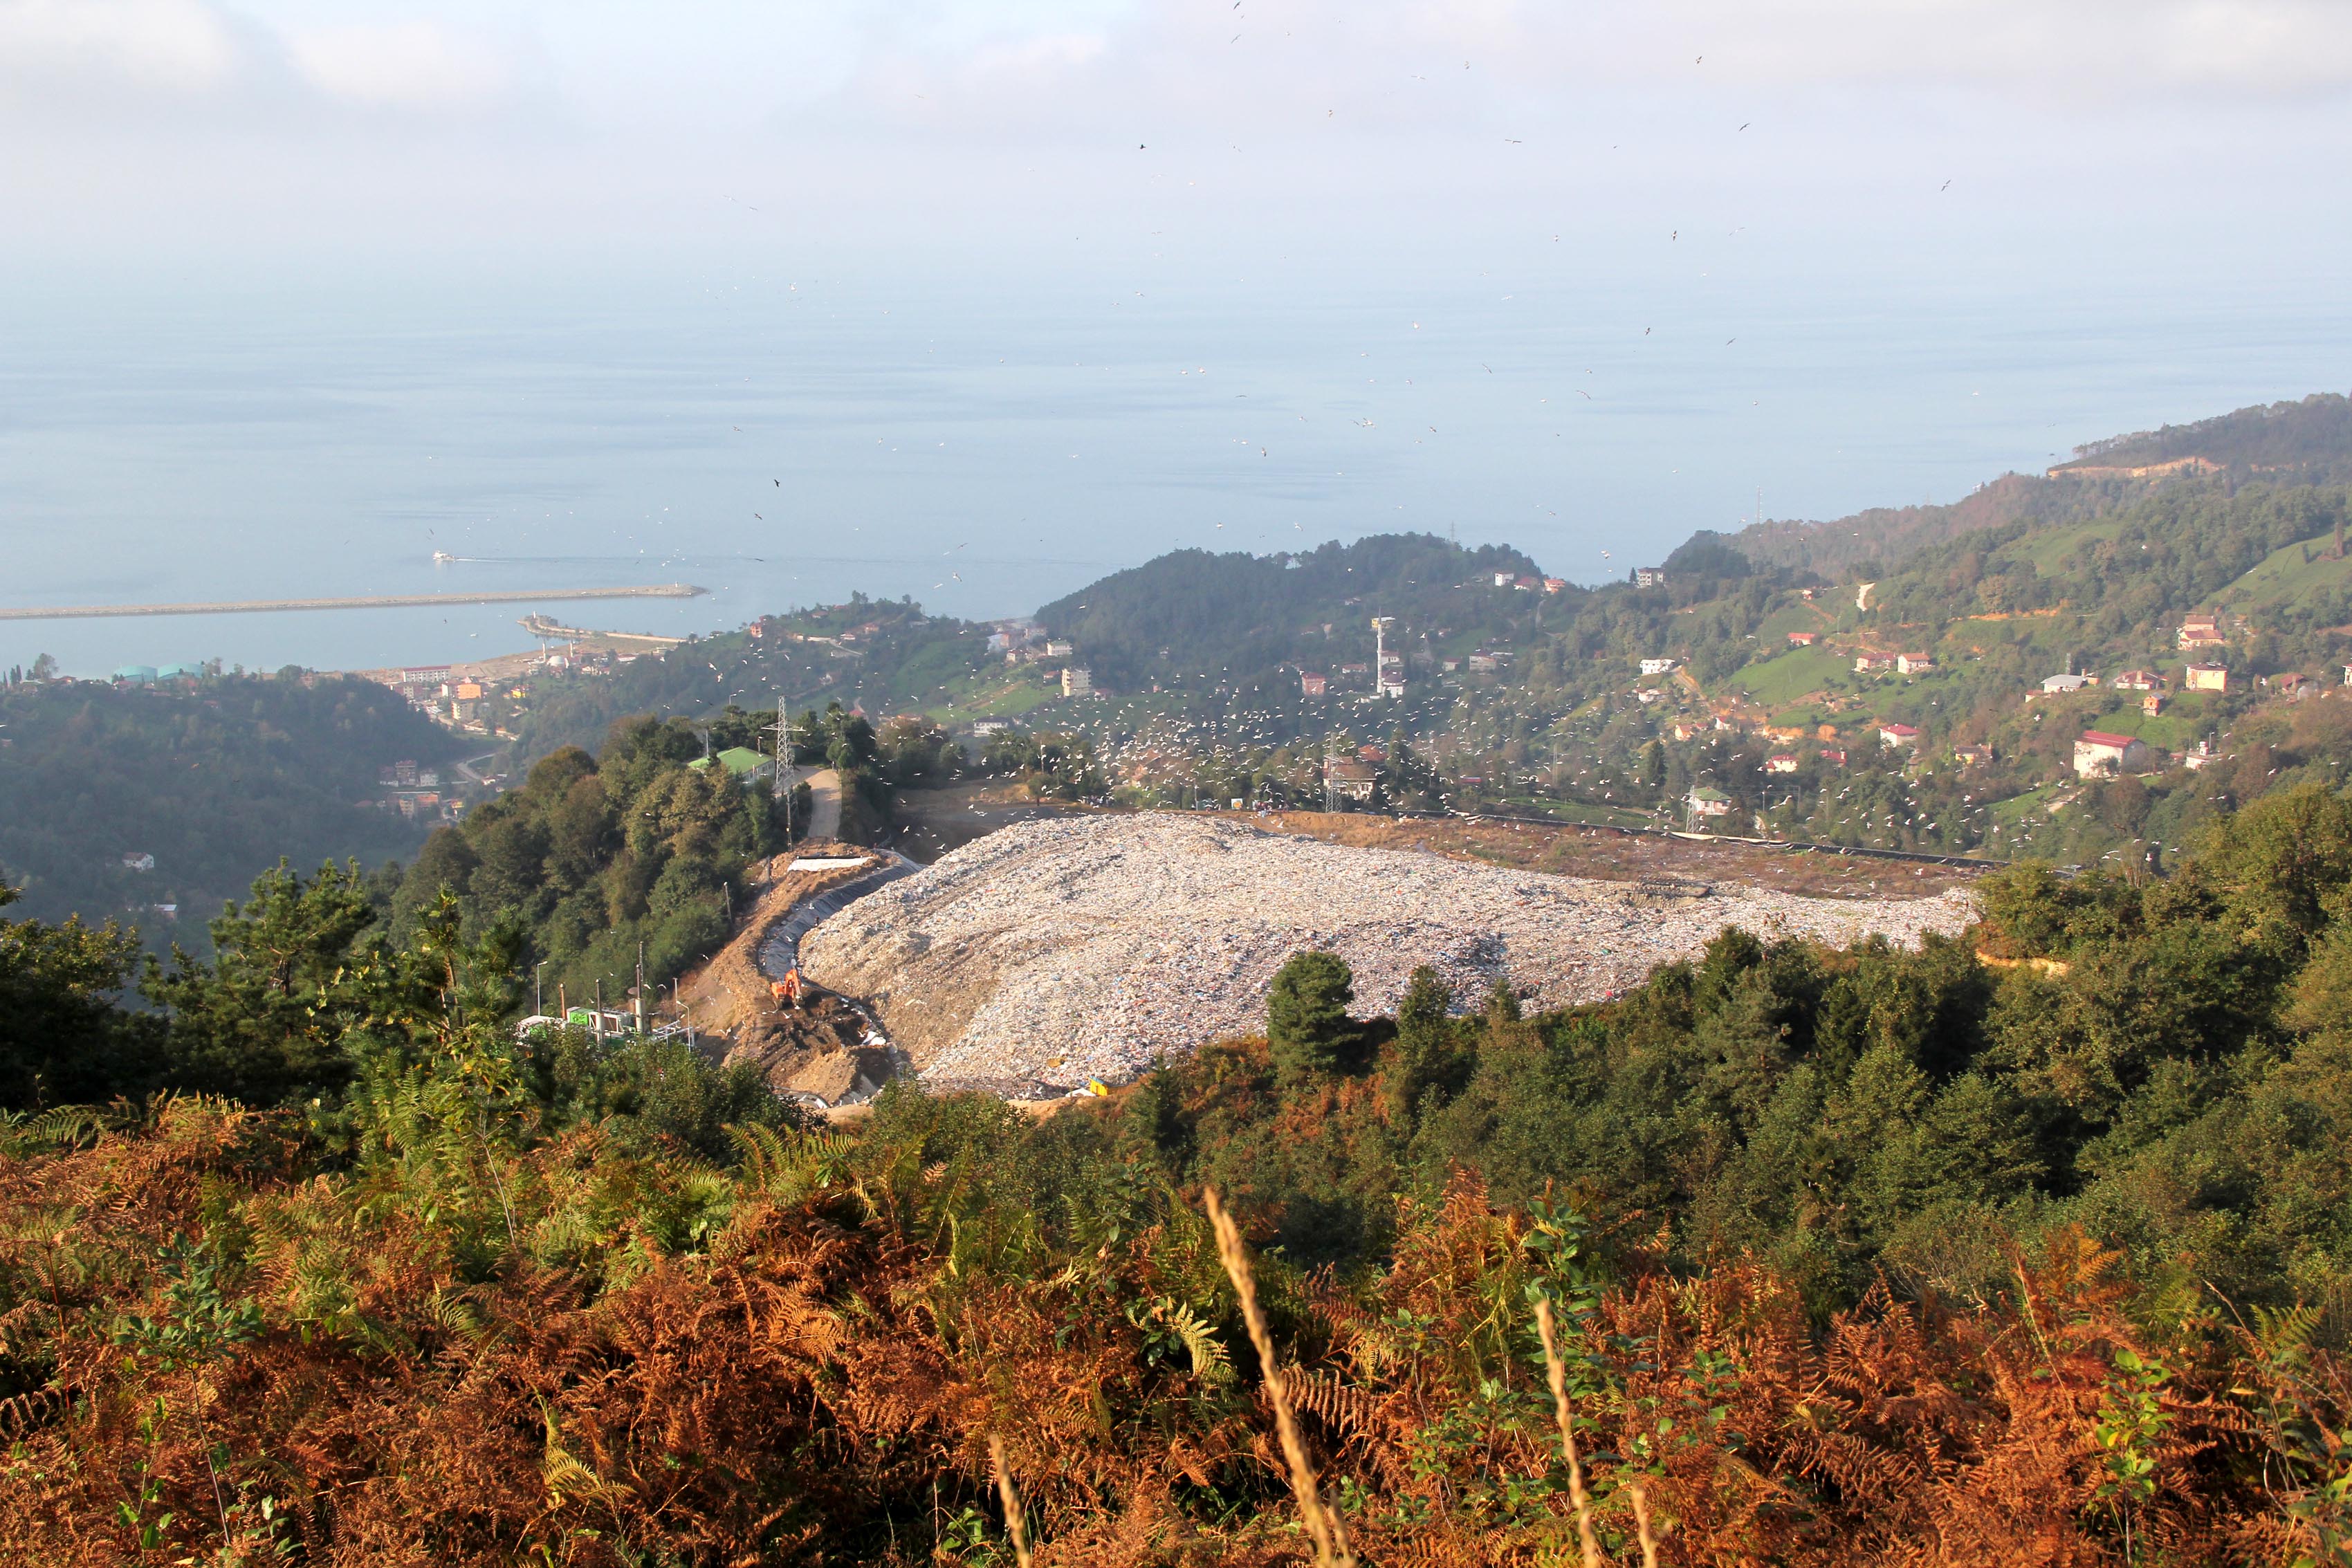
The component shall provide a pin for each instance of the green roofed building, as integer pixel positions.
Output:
(140, 674)
(741, 761)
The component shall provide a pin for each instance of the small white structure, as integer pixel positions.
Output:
(1077, 682)
(1898, 734)
(1703, 805)
(1356, 781)
(1658, 666)
(2099, 754)
(2056, 684)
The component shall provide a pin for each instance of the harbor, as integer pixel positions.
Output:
(363, 601)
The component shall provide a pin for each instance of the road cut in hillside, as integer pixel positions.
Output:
(1054, 951)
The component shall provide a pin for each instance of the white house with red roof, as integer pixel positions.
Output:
(2099, 754)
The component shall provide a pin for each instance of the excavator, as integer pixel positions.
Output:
(787, 991)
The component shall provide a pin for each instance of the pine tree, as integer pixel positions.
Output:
(1426, 1057)
(1307, 1021)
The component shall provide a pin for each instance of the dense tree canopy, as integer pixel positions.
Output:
(218, 779)
(2033, 1241)
(592, 856)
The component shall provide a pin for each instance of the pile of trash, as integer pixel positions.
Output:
(1054, 952)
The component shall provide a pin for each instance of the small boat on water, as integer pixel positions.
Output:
(443, 558)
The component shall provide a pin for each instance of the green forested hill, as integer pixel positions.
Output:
(908, 661)
(1243, 616)
(594, 856)
(2306, 441)
(1870, 543)
(2309, 439)
(217, 780)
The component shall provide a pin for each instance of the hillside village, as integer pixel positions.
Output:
(2079, 666)
(2063, 666)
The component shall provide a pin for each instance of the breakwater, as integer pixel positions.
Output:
(367, 602)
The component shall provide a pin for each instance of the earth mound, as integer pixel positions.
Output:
(1054, 951)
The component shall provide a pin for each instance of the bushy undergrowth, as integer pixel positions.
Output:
(1861, 1257)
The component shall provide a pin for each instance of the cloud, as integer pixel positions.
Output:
(416, 65)
(179, 45)
(2105, 47)
(1026, 59)
(858, 112)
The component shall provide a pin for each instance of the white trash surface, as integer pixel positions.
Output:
(1058, 950)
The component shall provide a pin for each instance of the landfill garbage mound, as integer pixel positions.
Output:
(1052, 952)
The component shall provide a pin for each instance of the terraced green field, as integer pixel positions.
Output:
(1793, 675)
(2291, 576)
(2048, 550)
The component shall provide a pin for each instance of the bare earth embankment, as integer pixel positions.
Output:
(1054, 951)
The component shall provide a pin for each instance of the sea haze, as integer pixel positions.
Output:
(987, 439)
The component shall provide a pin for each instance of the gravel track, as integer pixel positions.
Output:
(1054, 951)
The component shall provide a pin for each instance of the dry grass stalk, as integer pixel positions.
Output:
(1014, 1524)
(1558, 1369)
(1642, 1522)
(1331, 1545)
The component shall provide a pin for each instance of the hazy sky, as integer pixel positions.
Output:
(297, 291)
(2219, 127)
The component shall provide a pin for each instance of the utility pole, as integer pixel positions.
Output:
(536, 976)
(641, 988)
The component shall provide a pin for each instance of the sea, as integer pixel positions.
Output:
(982, 437)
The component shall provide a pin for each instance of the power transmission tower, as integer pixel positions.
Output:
(783, 782)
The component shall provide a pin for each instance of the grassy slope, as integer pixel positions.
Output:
(2287, 576)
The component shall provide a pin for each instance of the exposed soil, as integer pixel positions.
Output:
(929, 824)
(1571, 851)
(815, 1049)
